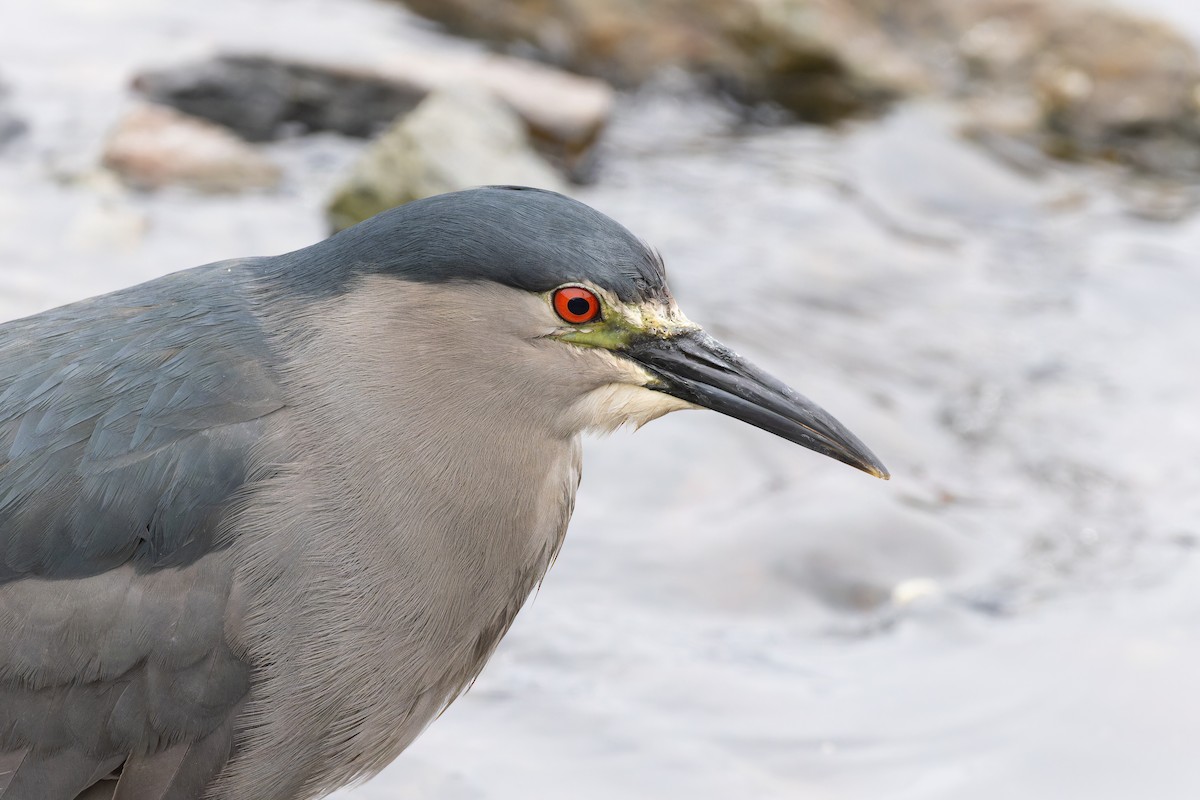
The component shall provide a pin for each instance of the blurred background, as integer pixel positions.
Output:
(966, 227)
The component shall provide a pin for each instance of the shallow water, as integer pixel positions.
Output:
(1014, 614)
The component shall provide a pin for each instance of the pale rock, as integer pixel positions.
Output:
(154, 147)
(563, 112)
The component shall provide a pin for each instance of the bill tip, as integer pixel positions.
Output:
(879, 471)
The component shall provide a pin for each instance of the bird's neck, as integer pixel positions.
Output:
(428, 513)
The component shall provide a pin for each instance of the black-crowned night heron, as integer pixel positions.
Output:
(260, 521)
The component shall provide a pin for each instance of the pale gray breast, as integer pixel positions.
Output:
(356, 664)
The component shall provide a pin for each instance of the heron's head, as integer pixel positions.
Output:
(528, 294)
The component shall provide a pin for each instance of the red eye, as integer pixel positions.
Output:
(576, 304)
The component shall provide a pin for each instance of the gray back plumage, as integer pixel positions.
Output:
(126, 424)
(129, 426)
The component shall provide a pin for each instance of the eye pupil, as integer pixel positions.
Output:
(579, 306)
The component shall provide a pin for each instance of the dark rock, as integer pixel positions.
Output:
(258, 97)
(819, 59)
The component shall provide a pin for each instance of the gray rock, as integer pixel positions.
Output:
(456, 138)
(11, 126)
(153, 147)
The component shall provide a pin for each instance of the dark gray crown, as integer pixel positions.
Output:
(526, 238)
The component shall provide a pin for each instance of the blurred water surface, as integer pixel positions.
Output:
(1016, 614)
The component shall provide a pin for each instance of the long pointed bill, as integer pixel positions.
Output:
(697, 368)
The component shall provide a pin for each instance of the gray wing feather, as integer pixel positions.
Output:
(63, 774)
(10, 762)
(179, 772)
(126, 425)
(131, 426)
